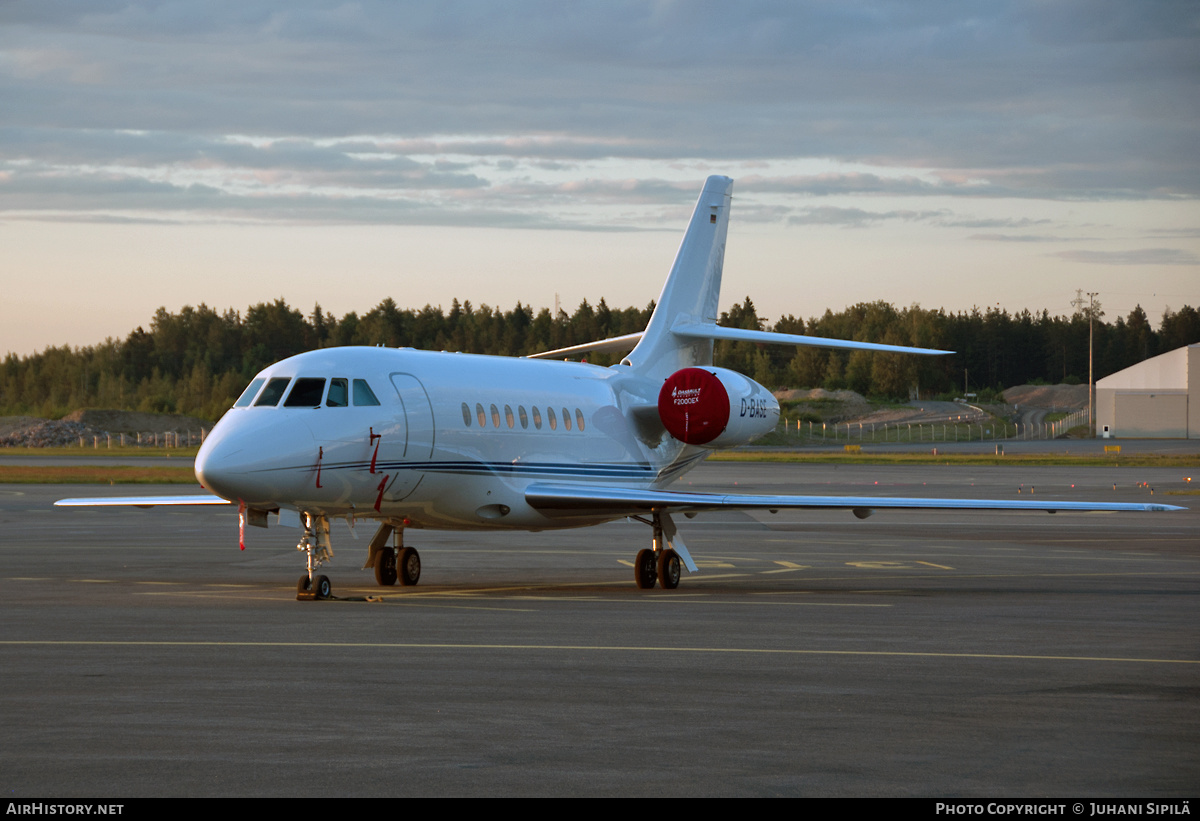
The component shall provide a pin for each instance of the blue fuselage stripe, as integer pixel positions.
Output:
(540, 469)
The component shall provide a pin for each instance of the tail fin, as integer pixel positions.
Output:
(692, 291)
(684, 323)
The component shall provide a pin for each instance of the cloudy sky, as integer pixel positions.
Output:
(950, 154)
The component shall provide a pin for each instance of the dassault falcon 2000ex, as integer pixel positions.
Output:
(417, 439)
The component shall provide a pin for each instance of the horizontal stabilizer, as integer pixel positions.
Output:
(615, 344)
(567, 500)
(141, 501)
(697, 330)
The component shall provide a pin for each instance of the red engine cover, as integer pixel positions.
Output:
(693, 406)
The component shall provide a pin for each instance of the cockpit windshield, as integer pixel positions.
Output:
(306, 393)
(248, 395)
(272, 392)
(363, 395)
(339, 396)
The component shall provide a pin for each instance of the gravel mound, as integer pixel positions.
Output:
(31, 432)
(42, 433)
(819, 395)
(1049, 397)
(134, 422)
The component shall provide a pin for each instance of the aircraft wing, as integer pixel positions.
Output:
(141, 501)
(570, 500)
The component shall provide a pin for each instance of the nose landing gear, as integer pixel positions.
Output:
(318, 549)
(308, 589)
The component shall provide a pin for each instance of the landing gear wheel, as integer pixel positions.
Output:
(385, 567)
(668, 570)
(304, 590)
(322, 589)
(409, 566)
(644, 571)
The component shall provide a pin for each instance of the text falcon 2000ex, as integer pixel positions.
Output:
(417, 439)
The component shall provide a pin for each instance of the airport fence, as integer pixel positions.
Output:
(149, 439)
(811, 432)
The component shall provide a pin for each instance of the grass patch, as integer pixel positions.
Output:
(1145, 460)
(115, 450)
(97, 475)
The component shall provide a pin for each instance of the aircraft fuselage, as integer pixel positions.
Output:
(441, 440)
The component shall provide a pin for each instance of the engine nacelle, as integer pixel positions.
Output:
(715, 407)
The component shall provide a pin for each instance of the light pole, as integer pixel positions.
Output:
(1092, 307)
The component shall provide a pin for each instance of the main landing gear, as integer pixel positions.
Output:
(318, 549)
(659, 564)
(393, 562)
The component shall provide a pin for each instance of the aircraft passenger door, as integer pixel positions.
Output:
(418, 447)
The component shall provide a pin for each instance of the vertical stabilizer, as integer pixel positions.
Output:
(692, 291)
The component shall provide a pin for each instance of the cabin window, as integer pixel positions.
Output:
(553, 419)
(495, 417)
(537, 418)
(523, 417)
(566, 419)
(480, 415)
(579, 419)
(273, 392)
(306, 393)
(466, 414)
(508, 417)
(248, 395)
(363, 395)
(339, 394)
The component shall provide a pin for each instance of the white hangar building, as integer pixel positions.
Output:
(1152, 399)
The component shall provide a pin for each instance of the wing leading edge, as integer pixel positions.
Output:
(568, 500)
(141, 501)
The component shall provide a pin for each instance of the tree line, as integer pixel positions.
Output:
(197, 361)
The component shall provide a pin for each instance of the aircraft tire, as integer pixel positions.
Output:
(322, 588)
(669, 570)
(644, 571)
(409, 566)
(304, 590)
(385, 567)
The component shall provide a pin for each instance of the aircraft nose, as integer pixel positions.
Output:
(252, 456)
(218, 466)
(211, 463)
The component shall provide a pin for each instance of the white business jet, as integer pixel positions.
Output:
(417, 439)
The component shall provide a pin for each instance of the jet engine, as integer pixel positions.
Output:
(715, 407)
